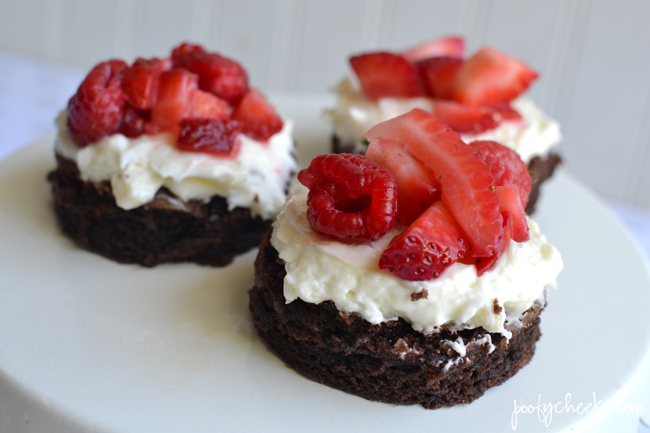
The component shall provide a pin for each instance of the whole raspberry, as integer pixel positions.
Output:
(215, 136)
(351, 198)
(96, 110)
(505, 165)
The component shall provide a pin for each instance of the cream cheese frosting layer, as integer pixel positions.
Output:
(319, 269)
(137, 168)
(355, 114)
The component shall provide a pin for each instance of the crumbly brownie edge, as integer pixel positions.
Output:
(165, 230)
(540, 169)
(389, 362)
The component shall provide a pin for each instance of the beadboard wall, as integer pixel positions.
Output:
(593, 56)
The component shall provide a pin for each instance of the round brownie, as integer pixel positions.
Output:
(388, 362)
(540, 169)
(165, 230)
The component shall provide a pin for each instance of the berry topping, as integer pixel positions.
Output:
(490, 77)
(511, 203)
(386, 75)
(208, 106)
(464, 118)
(140, 82)
(215, 136)
(95, 111)
(259, 119)
(429, 246)
(506, 112)
(438, 75)
(483, 264)
(134, 121)
(505, 165)
(173, 102)
(221, 76)
(350, 197)
(466, 183)
(445, 47)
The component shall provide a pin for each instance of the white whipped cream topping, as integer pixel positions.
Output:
(137, 168)
(319, 269)
(355, 114)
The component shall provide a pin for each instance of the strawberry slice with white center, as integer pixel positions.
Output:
(466, 183)
(464, 118)
(438, 74)
(451, 46)
(490, 77)
(174, 98)
(427, 248)
(383, 75)
(417, 185)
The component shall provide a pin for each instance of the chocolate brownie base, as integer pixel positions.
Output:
(389, 362)
(540, 169)
(164, 230)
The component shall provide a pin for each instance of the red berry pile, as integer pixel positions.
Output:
(202, 98)
(471, 96)
(460, 202)
(351, 198)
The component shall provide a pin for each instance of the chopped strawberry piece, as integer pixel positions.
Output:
(506, 166)
(384, 75)
(466, 183)
(506, 113)
(206, 105)
(464, 118)
(221, 76)
(214, 136)
(511, 203)
(96, 110)
(174, 98)
(490, 77)
(133, 121)
(445, 47)
(350, 197)
(438, 75)
(259, 119)
(427, 248)
(417, 185)
(140, 83)
(484, 264)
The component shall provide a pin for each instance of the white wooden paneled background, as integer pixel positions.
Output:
(593, 55)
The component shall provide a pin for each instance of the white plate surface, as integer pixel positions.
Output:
(90, 345)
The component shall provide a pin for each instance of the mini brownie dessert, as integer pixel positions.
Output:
(170, 160)
(479, 97)
(410, 275)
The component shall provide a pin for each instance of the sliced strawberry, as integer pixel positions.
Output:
(438, 75)
(418, 187)
(383, 75)
(174, 98)
(96, 110)
(505, 112)
(140, 82)
(464, 118)
(490, 77)
(206, 105)
(214, 136)
(259, 119)
(221, 76)
(350, 197)
(452, 46)
(505, 165)
(484, 264)
(511, 203)
(466, 183)
(427, 248)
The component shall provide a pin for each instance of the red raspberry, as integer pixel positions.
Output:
(133, 121)
(140, 81)
(505, 165)
(427, 248)
(215, 136)
(350, 197)
(219, 75)
(95, 111)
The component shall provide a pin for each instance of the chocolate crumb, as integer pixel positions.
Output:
(421, 294)
(496, 307)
